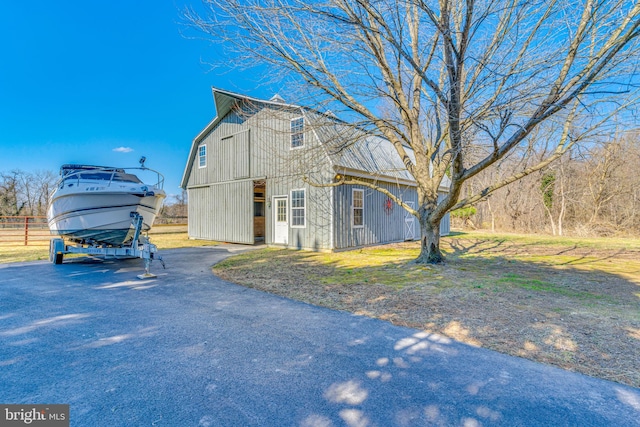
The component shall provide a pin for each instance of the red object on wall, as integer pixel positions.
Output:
(388, 206)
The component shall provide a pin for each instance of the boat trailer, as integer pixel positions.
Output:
(140, 247)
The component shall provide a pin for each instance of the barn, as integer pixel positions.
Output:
(264, 171)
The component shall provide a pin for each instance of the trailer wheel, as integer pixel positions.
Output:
(56, 248)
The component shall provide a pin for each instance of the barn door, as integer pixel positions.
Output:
(280, 218)
(409, 224)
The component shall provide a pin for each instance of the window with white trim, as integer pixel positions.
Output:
(297, 132)
(357, 208)
(298, 208)
(202, 155)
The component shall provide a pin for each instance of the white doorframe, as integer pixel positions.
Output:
(280, 220)
(409, 224)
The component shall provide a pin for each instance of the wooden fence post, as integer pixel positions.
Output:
(26, 230)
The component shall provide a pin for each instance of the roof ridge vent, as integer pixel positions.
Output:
(277, 98)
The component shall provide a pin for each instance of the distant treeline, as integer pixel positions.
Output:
(25, 193)
(588, 192)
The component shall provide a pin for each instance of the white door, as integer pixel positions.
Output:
(281, 222)
(409, 224)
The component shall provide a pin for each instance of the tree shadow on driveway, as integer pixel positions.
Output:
(195, 350)
(571, 308)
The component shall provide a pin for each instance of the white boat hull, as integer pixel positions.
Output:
(101, 217)
(95, 205)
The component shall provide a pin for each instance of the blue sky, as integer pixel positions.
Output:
(81, 79)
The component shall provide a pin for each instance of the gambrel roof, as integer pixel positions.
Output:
(350, 151)
(224, 102)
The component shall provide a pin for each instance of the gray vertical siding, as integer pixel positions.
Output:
(316, 234)
(445, 223)
(284, 168)
(240, 144)
(222, 212)
(241, 149)
(221, 153)
(255, 145)
(381, 225)
(221, 208)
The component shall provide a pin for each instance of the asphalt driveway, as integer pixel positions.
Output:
(188, 349)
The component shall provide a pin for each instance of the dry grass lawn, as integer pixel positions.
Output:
(573, 303)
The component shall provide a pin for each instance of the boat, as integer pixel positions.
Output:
(96, 205)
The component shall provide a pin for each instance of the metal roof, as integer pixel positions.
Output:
(347, 147)
(353, 149)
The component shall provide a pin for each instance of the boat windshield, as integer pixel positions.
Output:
(103, 176)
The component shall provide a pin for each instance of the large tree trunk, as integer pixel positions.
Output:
(429, 228)
(429, 243)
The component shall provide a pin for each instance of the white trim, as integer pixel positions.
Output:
(291, 147)
(409, 222)
(353, 208)
(342, 170)
(213, 184)
(200, 165)
(274, 207)
(304, 208)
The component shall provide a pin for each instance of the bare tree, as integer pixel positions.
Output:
(175, 210)
(558, 207)
(454, 85)
(11, 201)
(606, 186)
(25, 193)
(594, 191)
(35, 188)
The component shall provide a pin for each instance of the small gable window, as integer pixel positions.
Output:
(202, 156)
(297, 132)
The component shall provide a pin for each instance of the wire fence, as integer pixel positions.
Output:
(34, 230)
